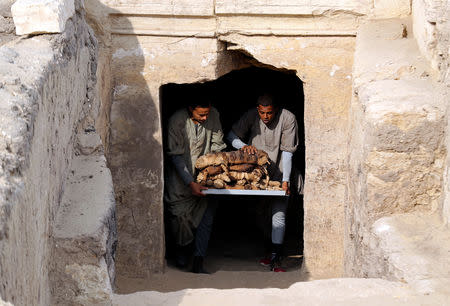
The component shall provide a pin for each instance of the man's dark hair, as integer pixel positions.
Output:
(199, 103)
(266, 99)
(200, 100)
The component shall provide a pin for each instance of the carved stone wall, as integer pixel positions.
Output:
(149, 44)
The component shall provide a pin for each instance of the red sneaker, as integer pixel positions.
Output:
(278, 270)
(264, 262)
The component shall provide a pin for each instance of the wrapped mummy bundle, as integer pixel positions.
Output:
(235, 170)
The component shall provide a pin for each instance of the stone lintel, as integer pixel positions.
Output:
(41, 16)
(197, 26)
(158, 7)
(163, 25)
(289, 7)
(290, 26)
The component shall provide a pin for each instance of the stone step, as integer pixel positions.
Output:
(415, 249)
(343, 291)
(85, 235)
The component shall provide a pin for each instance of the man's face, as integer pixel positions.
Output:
(266, 113)
(199, 114)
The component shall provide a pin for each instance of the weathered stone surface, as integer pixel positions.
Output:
(158, 7)
(140, 66)
(412, 248)
(403, 135)
(88, 142)
(163, 26)
(201, 20)
(88, 192)
(397, 156)
(85, 235)
(6, 30)
(374, 60)
(289, 7)
(391, 8)
(3, 303)
(41, 16)
(345, 291)
(324, 66)
(6, 25)
(431, 21)
(5, 8)
(44, 92)
(93, 285)
(341, 24)
(432, 32)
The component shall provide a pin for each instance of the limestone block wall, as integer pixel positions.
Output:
(432, 32)
(397, 148)
(149, 44)
(6, 22)
(324, 66)
(146, 44)
(140, 65)
(47, 92)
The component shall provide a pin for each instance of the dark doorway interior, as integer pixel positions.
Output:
(237, 240)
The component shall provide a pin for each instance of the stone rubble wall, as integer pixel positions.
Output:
(47, 89)
(6, 22)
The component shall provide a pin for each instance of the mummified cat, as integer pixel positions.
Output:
(236, 169)
(231, 158)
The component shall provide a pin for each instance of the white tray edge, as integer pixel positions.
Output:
(245, 192)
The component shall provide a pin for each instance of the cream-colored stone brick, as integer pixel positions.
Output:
(324, 65)
(140, 65)
(161, 7)
(290, 7)
(392, 8)
(344, 24)
(164, 26)
(41, 16)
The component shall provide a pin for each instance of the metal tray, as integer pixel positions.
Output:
(278, 193)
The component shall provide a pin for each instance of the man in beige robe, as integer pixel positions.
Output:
(192, 132)
(274, 130)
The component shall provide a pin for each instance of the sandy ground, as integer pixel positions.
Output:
(321, 292)
(233, 257)
(232, 264)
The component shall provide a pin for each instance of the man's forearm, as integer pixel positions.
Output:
(287, 165)
(235, 141)
(182, 169)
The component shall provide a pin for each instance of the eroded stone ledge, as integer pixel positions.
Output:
(85, 235)
(46, 88)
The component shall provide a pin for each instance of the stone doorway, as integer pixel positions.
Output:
(238, 247)
(142, 65)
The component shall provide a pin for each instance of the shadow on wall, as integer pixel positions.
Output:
(133, 150)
